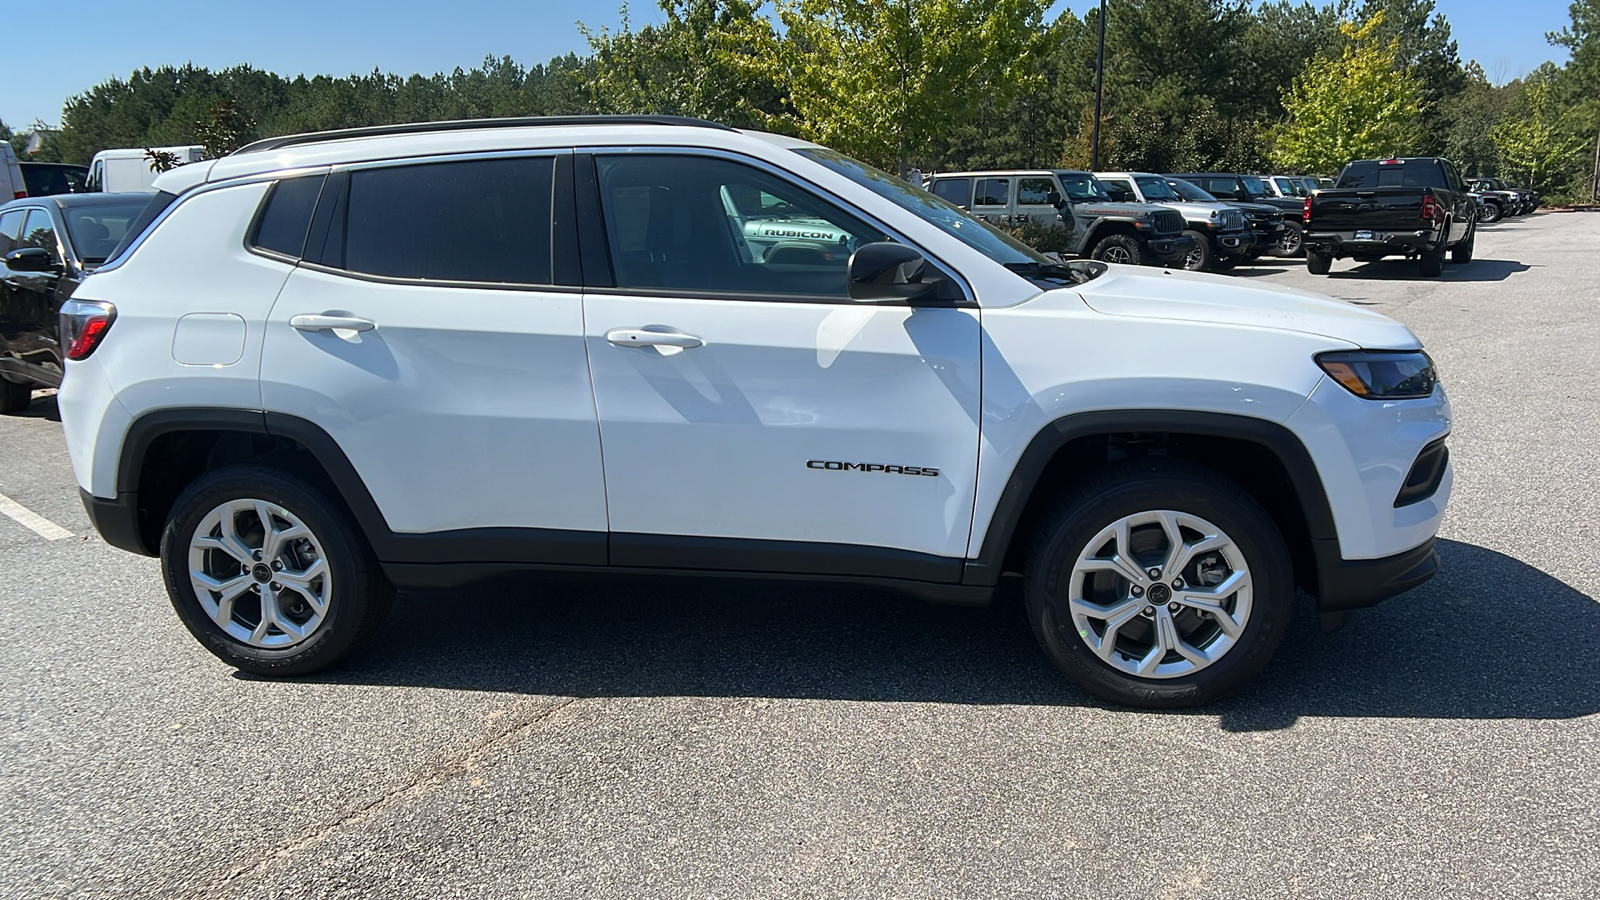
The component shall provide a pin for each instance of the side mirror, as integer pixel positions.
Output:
(32, 259)
(1053, 198)
(887, 271)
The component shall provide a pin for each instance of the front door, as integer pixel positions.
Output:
(753, 417)
(991, 200)
(431, 344)
(1033, 202)
(29, 305)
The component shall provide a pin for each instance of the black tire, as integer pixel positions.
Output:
(1291, 243)
(357, 600)
(1225, 263)
(1491, 213)
(1461, 253)
(1431, 263)
(1118, 246)
(15, 397)
(1318, 263)
(1203, 257)
(1125, 489)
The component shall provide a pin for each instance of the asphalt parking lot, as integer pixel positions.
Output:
(722, 739)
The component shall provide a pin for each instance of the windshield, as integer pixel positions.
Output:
(1289, 187)
(1255, 186)
(979, 235)
(1155, 190)
(1191, 193)
(95, 231)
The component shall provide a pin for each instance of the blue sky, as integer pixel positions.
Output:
(98, 40)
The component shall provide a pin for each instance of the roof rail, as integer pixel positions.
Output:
(314, 137)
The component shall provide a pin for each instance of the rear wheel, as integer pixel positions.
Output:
(1431, 263)
(15, 397)
(1159, 584)
(1119, 248)
(1462, 252)
(1202, 258)
(1290, 243)
(269, 574)
(1318, 263)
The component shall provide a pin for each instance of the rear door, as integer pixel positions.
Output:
(753, 416)
(435, 332)
(991, 200)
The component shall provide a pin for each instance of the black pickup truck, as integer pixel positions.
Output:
(1416, 207)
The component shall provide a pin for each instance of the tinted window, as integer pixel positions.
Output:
(96, 230)
(481, 220)
(10, 227)
(1398, 173)
(991, 192)
(1156, 190)
(1118, 189)
(697, 223)
(155, 206)
(1082, 187)
(44, 179)
(39, 232)
(1221, 187)
(957, 191)
(287, 215)
(1034, 191)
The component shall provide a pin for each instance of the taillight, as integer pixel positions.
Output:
(19, 195)
(1430, 207)
(1308, 211)
(84, 324)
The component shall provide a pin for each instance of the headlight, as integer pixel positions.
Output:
(1382, 374)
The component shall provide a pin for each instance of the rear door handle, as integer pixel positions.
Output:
(640, 337)
(328, 323)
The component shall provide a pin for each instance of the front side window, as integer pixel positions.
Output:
(286, 217)
(39, 232)
(955, 191)
(1034, 191)
(1118, 189)
(696, 223)
(992, 192)
(1081, 187)
(486, 221)
(10, 227)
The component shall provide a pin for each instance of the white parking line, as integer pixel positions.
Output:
(38, 524)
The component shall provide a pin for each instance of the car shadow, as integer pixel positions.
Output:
(1490, 637)
(1249, 271)
(43, 407)
(1406, 270)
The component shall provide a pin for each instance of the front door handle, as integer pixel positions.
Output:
(642, 337)
(328, 323)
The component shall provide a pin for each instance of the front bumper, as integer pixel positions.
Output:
(1363, 242)
(1356, 583)
(1171, 249)
(1234, 243)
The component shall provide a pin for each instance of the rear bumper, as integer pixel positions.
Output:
(116, 520)
(1346, 243)
(1356, 583)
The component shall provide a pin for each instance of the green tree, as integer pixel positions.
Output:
(1579, 84)
(882, 79)
(1357, 105)
(1535, 150)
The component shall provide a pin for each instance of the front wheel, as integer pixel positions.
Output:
(1490, 213)
(269, 574)
(1119, 248)
(1318, 263)
(1202, 257)
(1159, 584)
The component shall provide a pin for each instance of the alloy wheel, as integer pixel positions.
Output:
(1160, 594)
(260, 574)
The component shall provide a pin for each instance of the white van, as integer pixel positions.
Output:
(114, 171)
(12, 187)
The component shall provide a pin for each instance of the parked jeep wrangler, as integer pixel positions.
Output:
(1133, 233)
(1222, 235)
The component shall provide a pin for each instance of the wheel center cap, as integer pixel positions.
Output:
(261, 573)
(1160, 593)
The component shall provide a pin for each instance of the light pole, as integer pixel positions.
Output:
(1099, 86)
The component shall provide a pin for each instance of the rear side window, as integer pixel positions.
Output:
(992, 192)
(286, 216)
(955, 191)
(476, 221)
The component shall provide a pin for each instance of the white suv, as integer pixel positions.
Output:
(336, 364)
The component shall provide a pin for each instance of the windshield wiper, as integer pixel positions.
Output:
(1077, 271)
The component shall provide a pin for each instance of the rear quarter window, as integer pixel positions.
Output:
(286, 216)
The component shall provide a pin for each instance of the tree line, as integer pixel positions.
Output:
(946, 84)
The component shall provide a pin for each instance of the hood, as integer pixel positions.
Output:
(1144, 292)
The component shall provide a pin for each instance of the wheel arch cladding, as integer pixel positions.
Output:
(1263, 457)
